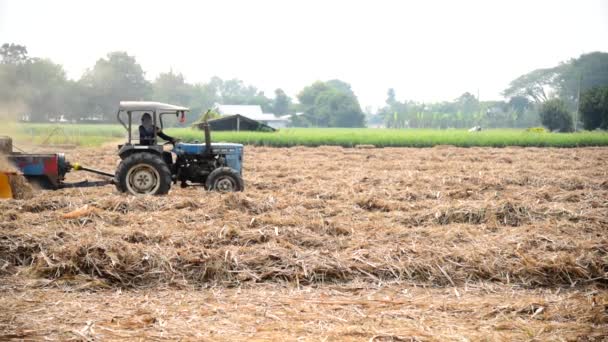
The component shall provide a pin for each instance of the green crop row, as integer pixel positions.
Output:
(72, 134)
(74, 130)
(90, 135)
(400, 138)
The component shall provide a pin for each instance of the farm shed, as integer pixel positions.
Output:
(237, 122)
(254, 112)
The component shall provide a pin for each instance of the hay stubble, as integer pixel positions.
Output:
(512, 233)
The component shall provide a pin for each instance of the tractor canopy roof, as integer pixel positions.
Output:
(150, 106)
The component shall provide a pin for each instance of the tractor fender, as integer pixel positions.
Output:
(128, 150)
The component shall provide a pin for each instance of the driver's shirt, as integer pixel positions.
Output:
(146, 137)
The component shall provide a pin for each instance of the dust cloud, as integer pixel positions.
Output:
(10, 113)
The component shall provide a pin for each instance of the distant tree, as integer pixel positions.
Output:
(38, 86)
(554, 115)
(236, 92)
(395, 114)
(338, 109)
(114, 78)
(75, 101)
(340, 86)
(445, 107)
(10, 83)
(205, 96)
(13, 54)
(497, 114)
(330, 104)
(13, 87)
(47, 89)
(594, 108)
(391, 97)
(519, 104)
(589, 70)
(281, 102)
(171, 88)
(372, 118)
(468, 103)
(397, 119)
(533, 85)
(309, 94)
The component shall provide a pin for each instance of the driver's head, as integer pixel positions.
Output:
(146, 119)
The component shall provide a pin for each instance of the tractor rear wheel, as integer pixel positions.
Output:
(224, 179)
(143, 174)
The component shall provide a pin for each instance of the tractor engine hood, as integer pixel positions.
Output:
(216, 148)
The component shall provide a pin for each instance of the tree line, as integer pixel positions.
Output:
(41, 91)
(545, 96)
(463, 112)
(573, 92)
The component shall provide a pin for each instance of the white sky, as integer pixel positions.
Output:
(426, 50)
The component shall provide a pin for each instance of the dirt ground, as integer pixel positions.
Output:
(324, 244)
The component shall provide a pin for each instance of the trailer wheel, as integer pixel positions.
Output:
(143, 174)
(224, 179)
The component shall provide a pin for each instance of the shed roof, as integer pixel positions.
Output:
(233, 118)
(253, 112)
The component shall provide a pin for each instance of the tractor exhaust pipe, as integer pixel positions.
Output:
(207, 136)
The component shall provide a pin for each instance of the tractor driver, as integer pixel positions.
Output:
(146, 131)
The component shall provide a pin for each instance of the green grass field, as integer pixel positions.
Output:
(91, 135)
(400, 138)
(84, 135)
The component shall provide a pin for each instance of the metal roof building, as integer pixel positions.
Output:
(253, 112)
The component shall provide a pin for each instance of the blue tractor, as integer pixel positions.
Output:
(146, 168)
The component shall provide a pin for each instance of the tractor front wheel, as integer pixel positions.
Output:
(143, 174)
(224, 179)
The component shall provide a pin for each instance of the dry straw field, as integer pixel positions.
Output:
(326, 243)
